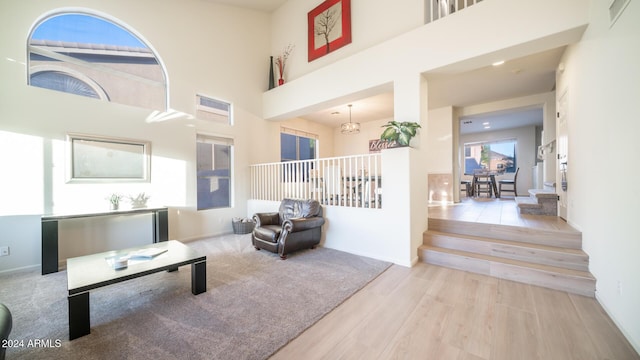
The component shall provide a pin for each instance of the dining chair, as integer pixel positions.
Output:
(465, 187)
(511, 183)
(483, 185)
(332, 185)
(371, 195)
(482, 182)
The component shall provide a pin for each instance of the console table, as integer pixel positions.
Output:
(160, 228)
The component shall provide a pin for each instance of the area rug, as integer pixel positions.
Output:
(255, 303)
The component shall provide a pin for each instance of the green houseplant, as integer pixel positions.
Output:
(114, 200)
(400, 132)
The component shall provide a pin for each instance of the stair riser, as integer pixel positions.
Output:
(538, 204)
(572, 284)
(510, 233)
(507, 251)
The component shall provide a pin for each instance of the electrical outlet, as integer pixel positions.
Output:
(619, 287)
(4, 251)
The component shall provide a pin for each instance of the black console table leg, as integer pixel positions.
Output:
(160, 226)
(79, 321)
(49, 247)
(198, 277)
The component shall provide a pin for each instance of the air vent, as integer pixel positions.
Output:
(615, 10)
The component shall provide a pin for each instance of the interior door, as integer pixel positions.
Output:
(562, 155)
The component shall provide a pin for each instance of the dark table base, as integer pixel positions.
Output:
(96, 265)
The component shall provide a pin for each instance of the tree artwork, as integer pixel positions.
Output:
(329, 27)
(325, 23)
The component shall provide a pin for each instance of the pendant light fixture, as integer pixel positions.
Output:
(350, 127)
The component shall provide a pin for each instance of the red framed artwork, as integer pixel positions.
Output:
(329, 27)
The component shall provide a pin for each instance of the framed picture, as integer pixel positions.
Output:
(102, 159)
(329, 27)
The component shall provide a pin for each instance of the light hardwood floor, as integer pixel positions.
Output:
(495, 211)
(432, 312)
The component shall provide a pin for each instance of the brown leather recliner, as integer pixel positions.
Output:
(6, 323)
(297, 225)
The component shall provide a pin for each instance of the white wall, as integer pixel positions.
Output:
(19, 233)
(356, 144)
(216, 50)
(428, 48)
(602, 80)
(372, 22)
(440, 140)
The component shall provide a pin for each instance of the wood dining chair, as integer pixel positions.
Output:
(465, 187)
(510, 183)
(484, 185)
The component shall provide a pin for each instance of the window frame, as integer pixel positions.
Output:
(109, 145)
(83, 76)
(215, 140)
(298, 134)
(209, 113)
(483, 143)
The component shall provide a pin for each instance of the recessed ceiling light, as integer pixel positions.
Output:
(487, 127)
(498, 63)
(485, 123)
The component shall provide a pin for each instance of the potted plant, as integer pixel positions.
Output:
(114, 200)
(281, 61)
(139, 201)
(400, 132)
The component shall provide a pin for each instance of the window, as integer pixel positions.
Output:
(89, 55)
(499, 156)
(214, 159)
(297, 145)
(63, 81)
(102, 159)
(211, 109)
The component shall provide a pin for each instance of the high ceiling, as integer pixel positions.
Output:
(260, 5)
(533, 74)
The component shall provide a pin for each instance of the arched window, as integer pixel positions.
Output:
(87, 54)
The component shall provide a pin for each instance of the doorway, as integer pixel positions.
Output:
(563, 156)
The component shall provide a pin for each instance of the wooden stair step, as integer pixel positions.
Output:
(549, 237)
(543, 194)
(573, 281)
(569, 258)
(527, 202)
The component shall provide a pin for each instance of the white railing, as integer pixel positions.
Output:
(437, 9)
(354, 181)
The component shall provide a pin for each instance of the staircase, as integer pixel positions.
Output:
(539, 202)
(542, 257)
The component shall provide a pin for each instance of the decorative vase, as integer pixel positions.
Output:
(272, 82)
(114, 206)
(280, 81)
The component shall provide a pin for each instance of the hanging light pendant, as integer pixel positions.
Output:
(350, 127)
